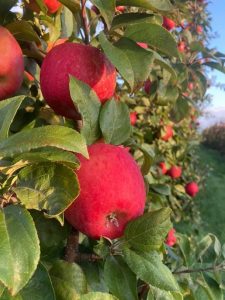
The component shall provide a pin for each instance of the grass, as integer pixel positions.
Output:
(211, 198)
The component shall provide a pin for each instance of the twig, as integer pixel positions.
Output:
(87, 257)
(72, 253)
(72, 246)
(85, 21)
(143, 291)
(213, 268)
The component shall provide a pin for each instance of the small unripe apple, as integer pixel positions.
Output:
(168, 23)
(171, 238)
(147, 86)
(142, 45)
(133, 118)
(11, 64)
(112, 192)
(84, 62)
(174, 172)
(163, 168)
(192, 189)
(182, 46)
(168, 133)
(52, 6)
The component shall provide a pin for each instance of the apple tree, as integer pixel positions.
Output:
(98, 123)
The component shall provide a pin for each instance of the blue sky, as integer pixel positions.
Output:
(217, 10)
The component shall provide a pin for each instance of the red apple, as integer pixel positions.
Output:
(168, 133)
(199, 29)
(171, 238)
(182, 46)
(168, 23)
(120, 8)
(87, 64)
(191, 86)
(192, 189)
(52, 6)
(175, 172)
(163, 168)
(147, 86)
(193, 118)
(112, 192)
(133, 118)
(11, 64)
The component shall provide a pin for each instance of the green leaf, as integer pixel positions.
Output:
(19, 247)
(204, 246)
(48, 186)
(23, 31)
(89, 107)
(215, 66)
(51, 234)
(68, 22)
(107, 10)
(134, 18)
(7, 5)
(166, 94)
(38, 288)
(48, 155)
(149, 268)
(48, 136)
(148, 157)
(141, 60)
(97, 296)
(202, 82)
(2, 288)
(212, 288)
(149, 231)
(73, 5)
(133, 62)
(185, 248)
(158, 60)
(68, 280)
(180, 110)
(95, 276)
(154, 35)
(162, 189)
(115, 122)
(120, 279)
(119, 59)
(8, 109)
(157, 294)
(155, 5)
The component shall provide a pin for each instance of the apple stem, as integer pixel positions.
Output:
(85, 21)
